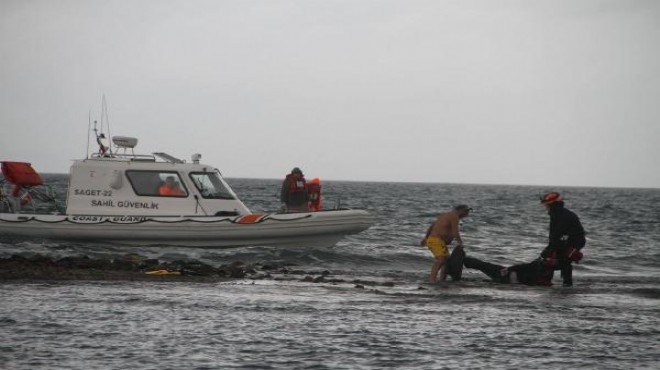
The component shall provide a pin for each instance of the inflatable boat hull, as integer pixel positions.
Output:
(324, 228)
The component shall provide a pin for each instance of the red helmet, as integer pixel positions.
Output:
(551, 198)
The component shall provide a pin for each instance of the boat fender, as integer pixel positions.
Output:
(117, 178)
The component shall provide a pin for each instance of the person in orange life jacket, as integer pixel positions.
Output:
(171, 188)
(293, 195)
(314, 191)
(566, 238)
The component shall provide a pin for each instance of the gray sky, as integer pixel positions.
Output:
(513, 92)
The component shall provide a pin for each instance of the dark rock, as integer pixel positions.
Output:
(177, 265)
(284, 278)
(421, 288)
(37, 261)
(17, 258)
(68, 262)
(16, 265)
(234, 270)
(83, 262)
(270, 266)
(186, 272)
(188, 268)
(149, 263)
(358, 286)
(364, 282)
(261, 276)
(319, 279)
(388, 284)
(134, 258)
(123, 265)
(318, 272)
(199, 269)
(238, 273)
(308, 279)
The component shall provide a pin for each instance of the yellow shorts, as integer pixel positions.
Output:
(437, 246)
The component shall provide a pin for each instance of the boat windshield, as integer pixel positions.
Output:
(210, 185)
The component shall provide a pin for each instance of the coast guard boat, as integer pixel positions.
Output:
(157, 199)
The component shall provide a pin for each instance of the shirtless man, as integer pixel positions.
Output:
(440, 234)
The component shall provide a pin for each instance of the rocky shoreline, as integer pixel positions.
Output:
(133, 267)
(128, 267)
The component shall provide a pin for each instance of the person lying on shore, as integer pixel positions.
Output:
(532, 273)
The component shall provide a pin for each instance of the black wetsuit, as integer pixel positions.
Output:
(526, 273)
(566, 233)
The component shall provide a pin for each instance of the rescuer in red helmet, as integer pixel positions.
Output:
(566, 238)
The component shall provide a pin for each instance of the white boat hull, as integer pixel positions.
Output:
(317, 229)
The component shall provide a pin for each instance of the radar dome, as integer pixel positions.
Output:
(124, 141)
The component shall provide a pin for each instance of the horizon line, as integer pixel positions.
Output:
(443, 183)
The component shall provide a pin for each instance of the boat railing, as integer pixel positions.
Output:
(168, 158)
(126, 156)
(139, 157)
(40, 199)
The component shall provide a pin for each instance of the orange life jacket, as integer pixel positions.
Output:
(314, 191)
(296, 185)
(170, 192)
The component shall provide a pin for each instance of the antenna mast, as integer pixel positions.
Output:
(104, 115)
(89, 127)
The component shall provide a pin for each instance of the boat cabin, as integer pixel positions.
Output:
(129, 184)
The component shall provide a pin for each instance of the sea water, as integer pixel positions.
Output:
(610, 318)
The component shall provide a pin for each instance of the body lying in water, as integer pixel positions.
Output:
(537, 272)
(531, 273)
